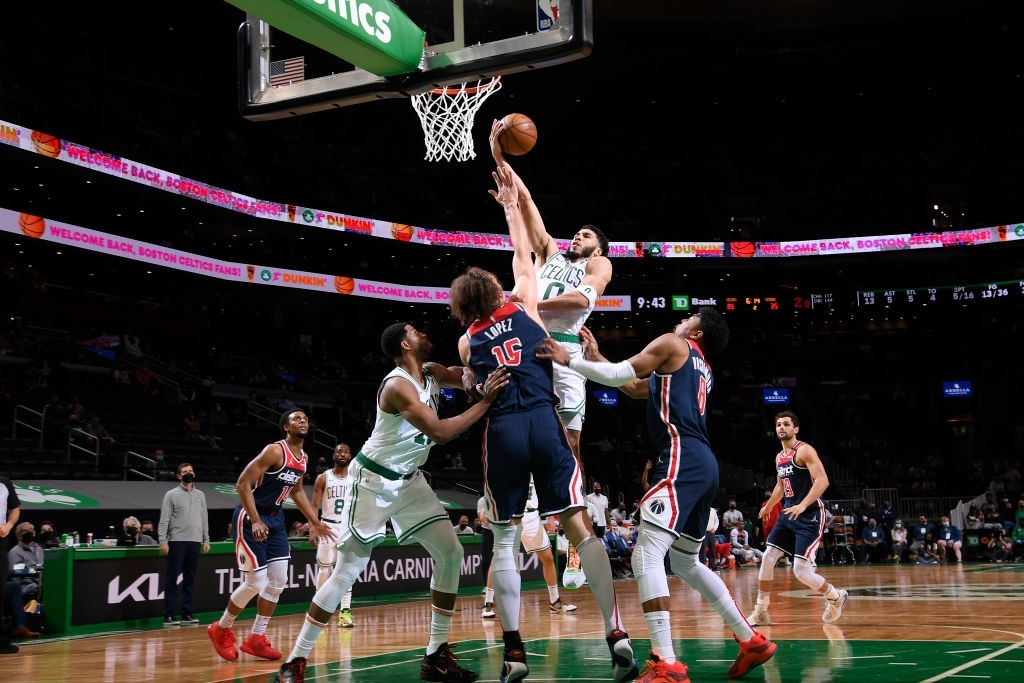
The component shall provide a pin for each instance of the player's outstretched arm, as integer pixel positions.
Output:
(399, 395)
(540, 241)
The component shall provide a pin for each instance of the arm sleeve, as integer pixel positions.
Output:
(609, 374)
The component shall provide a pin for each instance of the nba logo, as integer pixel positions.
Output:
(547, 14)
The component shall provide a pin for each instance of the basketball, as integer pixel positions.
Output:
(743, 249)
(46, 144)
(344, 285)
(401, 231)
(519, 136)
(33, 226)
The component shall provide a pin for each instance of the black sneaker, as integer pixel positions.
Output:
(172, 621)
(442, 667)
(8, 648)
(189, 619)
(292, 672)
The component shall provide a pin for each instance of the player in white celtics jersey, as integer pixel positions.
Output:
(332, 496)
(388, 485)
(568, 286)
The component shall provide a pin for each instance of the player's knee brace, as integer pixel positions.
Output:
(768, 560)
(803, 570)
(505, 546)
(648, 563)
(253, 585)
(277, 579)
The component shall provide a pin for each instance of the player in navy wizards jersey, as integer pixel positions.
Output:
(261, 536)
(800, 483)
(525, 436)
(674, 512)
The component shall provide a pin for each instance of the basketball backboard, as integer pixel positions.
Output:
(465, 40)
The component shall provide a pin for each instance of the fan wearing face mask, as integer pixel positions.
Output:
(184, 533)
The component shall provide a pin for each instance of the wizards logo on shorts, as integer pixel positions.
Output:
(244, 563)
(657, 506)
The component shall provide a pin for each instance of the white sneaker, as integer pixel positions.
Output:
(760, 616)
(488, 611)
(834, 608)
(559, 607)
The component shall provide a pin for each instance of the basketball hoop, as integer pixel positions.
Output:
(447, 115)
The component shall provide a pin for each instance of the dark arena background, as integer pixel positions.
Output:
(843, 182)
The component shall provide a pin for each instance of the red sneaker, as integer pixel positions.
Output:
(259, 646)
(223, 641)
(753, 652)
(656, 669)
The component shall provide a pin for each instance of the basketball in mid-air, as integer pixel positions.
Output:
(46, 144)
(401, 232)
(344, 285)
(32, 226)
(519, 136)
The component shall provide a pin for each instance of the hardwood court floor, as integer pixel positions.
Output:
(902, 623)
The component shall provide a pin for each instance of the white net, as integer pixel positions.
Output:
(447, 114)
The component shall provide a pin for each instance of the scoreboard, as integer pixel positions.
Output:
(951, 294)
(794, 301)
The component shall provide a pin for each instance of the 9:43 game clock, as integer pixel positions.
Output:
(643, 302)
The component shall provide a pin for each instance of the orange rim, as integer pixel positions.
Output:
(452, 91)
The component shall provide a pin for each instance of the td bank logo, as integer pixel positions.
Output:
(680, 302)
(49, 497)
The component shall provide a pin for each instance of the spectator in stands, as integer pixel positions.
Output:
(989, 511)
(1000, 548)
(14, 600)
(47, 536)
(619, 551)
(920, 531)
(295, 531)
(731, 517)
(131, 533)
(98, 433)
(928, 552)
(949, 537)
(874, 547)
(973, 519)
(620, 514)
(898, 538)
(887, 517)
(1007, 515)
(217, 417)
(147, 529)
(464, 528)
(28, 553)
(739, 541)
(1017, 536)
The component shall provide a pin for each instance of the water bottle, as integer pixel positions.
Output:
(74, 538)
(63, 540)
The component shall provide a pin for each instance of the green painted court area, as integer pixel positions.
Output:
(796, 661)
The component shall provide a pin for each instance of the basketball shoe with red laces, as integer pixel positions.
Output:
(292, 672)
(657, 669)
(753, 652)
(223, 641)
(258, 646)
